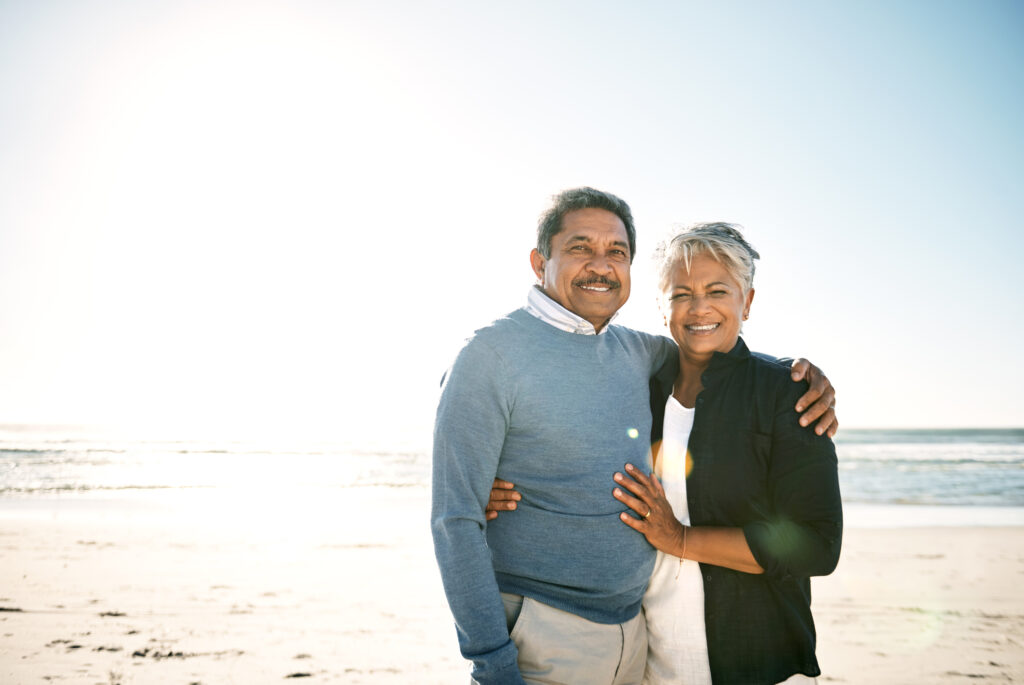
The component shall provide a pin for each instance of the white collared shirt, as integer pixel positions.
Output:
(547, 310)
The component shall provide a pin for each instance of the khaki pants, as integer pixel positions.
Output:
(560, 648)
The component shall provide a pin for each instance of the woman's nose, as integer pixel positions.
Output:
(698, 303)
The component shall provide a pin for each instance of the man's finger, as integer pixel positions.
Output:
(827, 423)
(502, 495)
(819, 390)
(493, 505)
(799, 369)
(816, 411)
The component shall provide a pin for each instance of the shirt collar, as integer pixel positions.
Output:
(550, 312)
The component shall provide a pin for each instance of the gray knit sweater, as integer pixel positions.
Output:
(557, 414)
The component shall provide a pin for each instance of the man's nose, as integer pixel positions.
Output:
(599, 263)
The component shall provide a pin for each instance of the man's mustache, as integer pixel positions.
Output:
(597, 280)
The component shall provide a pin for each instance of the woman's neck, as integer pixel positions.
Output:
(688, 384)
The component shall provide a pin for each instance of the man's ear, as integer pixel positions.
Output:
(537, 261)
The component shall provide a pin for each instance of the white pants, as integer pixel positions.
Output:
(560, 648)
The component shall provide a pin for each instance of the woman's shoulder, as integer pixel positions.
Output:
(773, 375)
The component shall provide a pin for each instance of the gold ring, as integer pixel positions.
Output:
(648, 514)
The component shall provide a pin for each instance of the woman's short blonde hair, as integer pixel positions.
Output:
(723, 242)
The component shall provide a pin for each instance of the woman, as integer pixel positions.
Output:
(747, 507)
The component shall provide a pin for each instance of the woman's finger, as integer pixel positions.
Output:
(633, 523)
(500, 484)
(639, 476)
(640, 489)
(638, 505)
(659, 490)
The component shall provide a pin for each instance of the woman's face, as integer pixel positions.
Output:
(704, 307)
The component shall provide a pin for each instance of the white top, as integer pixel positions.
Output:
(550, 312)
(677, 647)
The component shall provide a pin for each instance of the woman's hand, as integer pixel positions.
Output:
(657, 522)
(503, 498)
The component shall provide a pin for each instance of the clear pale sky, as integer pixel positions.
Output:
(284, 217)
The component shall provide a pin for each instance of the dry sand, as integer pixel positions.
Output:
(343, 589)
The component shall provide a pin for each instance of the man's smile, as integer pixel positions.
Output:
(598, 285)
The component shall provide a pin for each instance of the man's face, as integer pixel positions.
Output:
(588, 271)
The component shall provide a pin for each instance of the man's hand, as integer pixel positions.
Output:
(503, 498)
(819, 402)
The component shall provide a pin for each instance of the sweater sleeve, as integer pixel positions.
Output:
(472, 420)
(803, 535)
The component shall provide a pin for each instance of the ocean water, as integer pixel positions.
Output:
(979, 468)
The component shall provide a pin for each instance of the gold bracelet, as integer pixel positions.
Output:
(681, 556)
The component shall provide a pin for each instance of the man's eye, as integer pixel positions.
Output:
(718, 293)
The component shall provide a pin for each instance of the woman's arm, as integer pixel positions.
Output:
(719, 546)
(803, 536)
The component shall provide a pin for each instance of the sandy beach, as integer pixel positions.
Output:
(342, 588)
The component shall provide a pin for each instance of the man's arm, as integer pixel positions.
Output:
(472, 420)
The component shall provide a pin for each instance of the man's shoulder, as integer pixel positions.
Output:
(627, 332)
(501, 330)
(658, 345)
(495, 340)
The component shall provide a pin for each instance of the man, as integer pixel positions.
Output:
(552, 398)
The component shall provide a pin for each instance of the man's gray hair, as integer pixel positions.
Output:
(550, 223)
(723, 242)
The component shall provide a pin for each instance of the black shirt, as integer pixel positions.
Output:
(756, 468)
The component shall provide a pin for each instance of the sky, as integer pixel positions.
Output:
(284, 217)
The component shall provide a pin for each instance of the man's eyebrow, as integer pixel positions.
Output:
(586, 239)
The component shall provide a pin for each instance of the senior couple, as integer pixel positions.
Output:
(670, 501)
